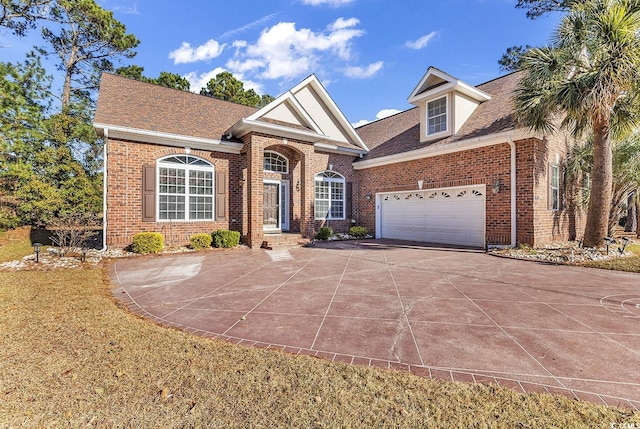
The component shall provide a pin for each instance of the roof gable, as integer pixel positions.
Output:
(436, 82)
(307, 110)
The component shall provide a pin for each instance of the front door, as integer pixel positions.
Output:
(271, 206)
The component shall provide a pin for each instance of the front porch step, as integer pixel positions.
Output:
(284, 239)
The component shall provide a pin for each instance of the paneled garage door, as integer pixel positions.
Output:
(448, 215)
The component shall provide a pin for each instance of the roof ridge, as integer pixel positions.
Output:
(155, 85)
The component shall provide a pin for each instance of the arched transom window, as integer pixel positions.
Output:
(329, 195)
(185, 188)
(275, 162)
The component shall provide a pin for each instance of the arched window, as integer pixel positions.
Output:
(275, 162)
(329, 195)
(185, 188)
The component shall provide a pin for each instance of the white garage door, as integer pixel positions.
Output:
(448, 215)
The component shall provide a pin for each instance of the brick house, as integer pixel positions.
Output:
(454, 169)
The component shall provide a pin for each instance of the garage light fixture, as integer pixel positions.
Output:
(368, 196)
(495, 188)
(420, 183)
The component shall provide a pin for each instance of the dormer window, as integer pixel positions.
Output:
(437, 116)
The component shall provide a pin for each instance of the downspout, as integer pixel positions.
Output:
(513, 192)
(104, 191)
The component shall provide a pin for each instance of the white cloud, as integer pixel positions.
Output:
(363, 72)
(422, 41)
(384, 113)
(333, 3)
(186, 54)
(283, 51)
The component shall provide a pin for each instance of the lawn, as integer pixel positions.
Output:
(630, 263)
(72, 357)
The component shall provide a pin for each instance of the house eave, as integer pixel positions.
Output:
(462, 145)
(245, 126)
(167, 139)
(323, 147)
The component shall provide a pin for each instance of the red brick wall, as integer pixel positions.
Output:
(304, 164)
(536, 223)
(124, 193)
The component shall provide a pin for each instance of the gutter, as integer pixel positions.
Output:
(458, 146)
(514, 212)
(104, 191)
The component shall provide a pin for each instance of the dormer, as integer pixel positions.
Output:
(445, 104)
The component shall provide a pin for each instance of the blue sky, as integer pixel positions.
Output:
(369, 54)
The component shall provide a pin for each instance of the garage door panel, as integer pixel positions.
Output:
(451, 216)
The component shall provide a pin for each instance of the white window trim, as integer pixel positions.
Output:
(554, 168)
(447, 113)
(160, 164)
(331, 180)
(279, 154)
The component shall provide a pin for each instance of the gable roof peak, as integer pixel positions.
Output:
(437, 82)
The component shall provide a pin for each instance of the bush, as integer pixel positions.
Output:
(358, 231)
(73, 231)
(324, 233)
(147, 242)
(200, 241)
(225, 238)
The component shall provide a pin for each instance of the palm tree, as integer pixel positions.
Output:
(587, 81)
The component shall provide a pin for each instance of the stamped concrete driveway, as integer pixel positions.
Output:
(444, 313)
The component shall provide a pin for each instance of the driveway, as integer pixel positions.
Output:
(444, 313)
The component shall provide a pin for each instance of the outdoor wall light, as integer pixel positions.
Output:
(368, 196)
(36, 247)
(420, 183)
(495, 188)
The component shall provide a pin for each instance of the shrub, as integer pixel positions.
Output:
(200, 241)
(358, 231)
(225, 238)
(147, 242)
(73, 231)
(324, 233)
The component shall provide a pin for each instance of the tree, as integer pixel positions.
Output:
(169, 80)
(89, 38)
(512, 59)
(21, 15)
(226, 87)
(588, 77)
(538, 8)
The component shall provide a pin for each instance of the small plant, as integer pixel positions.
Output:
(72, 232)
(147, 242)
(358, 231)
(200, 241)
(324, 233)
(225, 238)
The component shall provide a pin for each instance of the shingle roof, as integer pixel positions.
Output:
(129, 103)
(401, 132)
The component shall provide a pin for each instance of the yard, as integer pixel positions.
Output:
(73, 358)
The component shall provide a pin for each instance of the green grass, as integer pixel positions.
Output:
(72, 357)
(630, 263)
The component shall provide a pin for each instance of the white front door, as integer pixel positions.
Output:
(276, 205)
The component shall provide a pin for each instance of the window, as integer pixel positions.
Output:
(185, 188)
(329, 193)
(437, 116)
(554, 186)
(275, 162)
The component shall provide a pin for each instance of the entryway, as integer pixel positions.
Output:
(276, 205)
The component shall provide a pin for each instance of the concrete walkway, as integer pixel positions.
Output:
(444, 313)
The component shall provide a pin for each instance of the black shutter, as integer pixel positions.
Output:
(148, 193)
